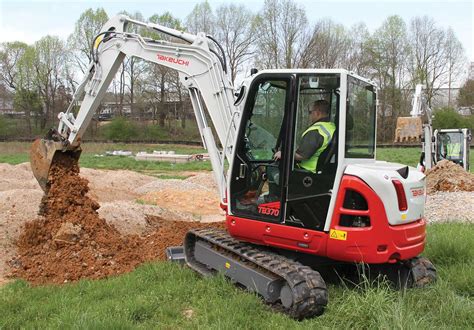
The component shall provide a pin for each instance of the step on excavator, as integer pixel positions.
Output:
(284, 222)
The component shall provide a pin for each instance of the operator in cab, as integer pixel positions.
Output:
(315, 139)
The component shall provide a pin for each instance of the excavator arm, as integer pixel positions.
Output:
(202, 70)
(421, 108)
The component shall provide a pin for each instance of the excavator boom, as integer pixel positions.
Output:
(201, 65)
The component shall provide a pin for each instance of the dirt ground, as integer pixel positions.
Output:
(139, 216)
(128, 206)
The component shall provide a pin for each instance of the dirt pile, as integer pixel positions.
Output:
(70, 241)
(448, 176)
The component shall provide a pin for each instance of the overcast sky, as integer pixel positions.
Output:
(29, 20)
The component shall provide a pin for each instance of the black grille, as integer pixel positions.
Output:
(354, 201)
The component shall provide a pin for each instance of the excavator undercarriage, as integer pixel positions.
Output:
(287, 285)
(291, 283)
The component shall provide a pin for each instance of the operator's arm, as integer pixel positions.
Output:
(310, 143)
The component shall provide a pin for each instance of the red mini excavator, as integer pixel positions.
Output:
(283, 221)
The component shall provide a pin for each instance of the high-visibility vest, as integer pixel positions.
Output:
(454, 150)
(326, 130)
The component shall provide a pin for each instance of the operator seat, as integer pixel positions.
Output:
(327, 162)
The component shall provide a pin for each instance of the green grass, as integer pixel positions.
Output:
(409, 156)
(158, 295)
(129, 163)
(17, 152)
(14, 159)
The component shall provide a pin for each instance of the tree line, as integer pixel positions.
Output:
(397, 55)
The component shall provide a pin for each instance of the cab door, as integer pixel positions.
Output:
(309, 191)
(256, 180)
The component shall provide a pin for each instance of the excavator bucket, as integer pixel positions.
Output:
(409, 129)
(42, 155)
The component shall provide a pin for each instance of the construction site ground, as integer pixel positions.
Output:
(140, 209)
(128, 201)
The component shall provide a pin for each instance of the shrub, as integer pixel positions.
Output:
(449, 118)
(466, 94)
(155, 133)
(121, 129)
(3, 124)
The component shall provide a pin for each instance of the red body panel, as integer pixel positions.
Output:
(378, 243)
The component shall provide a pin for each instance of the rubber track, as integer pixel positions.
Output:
(310, 295)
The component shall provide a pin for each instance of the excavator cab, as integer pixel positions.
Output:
(275, 117)
(453, 145)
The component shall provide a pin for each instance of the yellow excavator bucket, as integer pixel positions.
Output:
(42, 156)
(409, 129)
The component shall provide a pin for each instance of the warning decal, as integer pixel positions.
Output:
(338, 234)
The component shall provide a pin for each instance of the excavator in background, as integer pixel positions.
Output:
(283, 222)
(450, 144)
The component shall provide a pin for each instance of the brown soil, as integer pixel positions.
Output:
(448, 176)
(183, 200)
(70, 241)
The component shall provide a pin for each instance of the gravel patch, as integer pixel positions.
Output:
(450, 207)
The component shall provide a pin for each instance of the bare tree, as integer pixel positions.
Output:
(162, 83)
(282, 29)
(131, 70)
(329, 45)
(428, 55)
(357, 58)
(455, 59)
(86, 28)
(49, 70)
(235, 31)
(387, 51)
(201, 19)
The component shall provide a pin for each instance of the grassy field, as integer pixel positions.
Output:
(17, 152)
(91, 157)
(164, 295)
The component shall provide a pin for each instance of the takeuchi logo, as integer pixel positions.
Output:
(172, 60)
